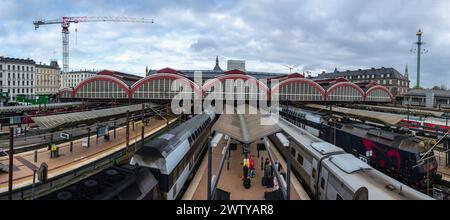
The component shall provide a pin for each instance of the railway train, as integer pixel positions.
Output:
(426, 124)
(157, 171)
(327, 172)
(172, 157)
(395, 154)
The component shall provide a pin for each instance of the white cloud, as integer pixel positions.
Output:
(316, 35)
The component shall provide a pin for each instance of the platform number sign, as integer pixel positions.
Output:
(65, 136)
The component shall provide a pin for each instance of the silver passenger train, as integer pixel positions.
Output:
(329, 173)
(173, 156)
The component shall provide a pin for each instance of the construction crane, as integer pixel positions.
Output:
(65, 24)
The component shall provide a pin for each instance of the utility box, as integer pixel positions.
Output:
(43, 173)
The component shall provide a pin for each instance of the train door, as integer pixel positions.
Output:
(323, 182)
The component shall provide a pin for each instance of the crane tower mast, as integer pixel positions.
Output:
(65, 24)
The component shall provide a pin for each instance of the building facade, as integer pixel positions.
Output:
(236, 65)
(48, 78)
(427, 98)
(71, 79)
(17, 77)
(397, 83)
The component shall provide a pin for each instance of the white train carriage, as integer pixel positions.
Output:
(172, 156)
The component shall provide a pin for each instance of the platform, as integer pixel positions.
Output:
(231, 179)
(71, 161)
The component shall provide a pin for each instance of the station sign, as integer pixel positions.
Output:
(84, 142)
(19, 132)
(65, 135)
(102, 131)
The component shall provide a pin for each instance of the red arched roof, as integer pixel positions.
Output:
(378, 87)
(284, 83)
(342, 79)
(172, 76)
(169, 70)
(346, 84)
(102, 78)
(234, 72)
(296, 75)
(222, 78)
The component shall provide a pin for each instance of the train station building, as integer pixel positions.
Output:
(158, 86)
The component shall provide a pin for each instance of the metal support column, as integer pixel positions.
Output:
(275, 169)
(11, 162)
(419, 51)
(225, 154)
(89, 137)
(288, 172)
(114, 129)
(209, 168)
(34, 184)
(143, 125)
(128, 133)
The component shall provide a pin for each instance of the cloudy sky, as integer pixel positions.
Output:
(315, 35)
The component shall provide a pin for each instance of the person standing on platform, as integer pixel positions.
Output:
(251, 166)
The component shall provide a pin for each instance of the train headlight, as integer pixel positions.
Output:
(433, 142)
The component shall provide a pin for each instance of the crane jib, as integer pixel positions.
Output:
(65, 23)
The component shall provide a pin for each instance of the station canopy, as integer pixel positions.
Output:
(21, 108)
(246, 127)
(378, 117)
(71, 119)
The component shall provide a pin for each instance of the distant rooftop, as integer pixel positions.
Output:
(372, 71)
(16, 60)
(423, 92)
(53, 65)
(82, 71)
(127, 78)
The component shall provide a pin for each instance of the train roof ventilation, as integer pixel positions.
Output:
(382, 134)
(325, 148)
(349, 163)
(167, 136)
